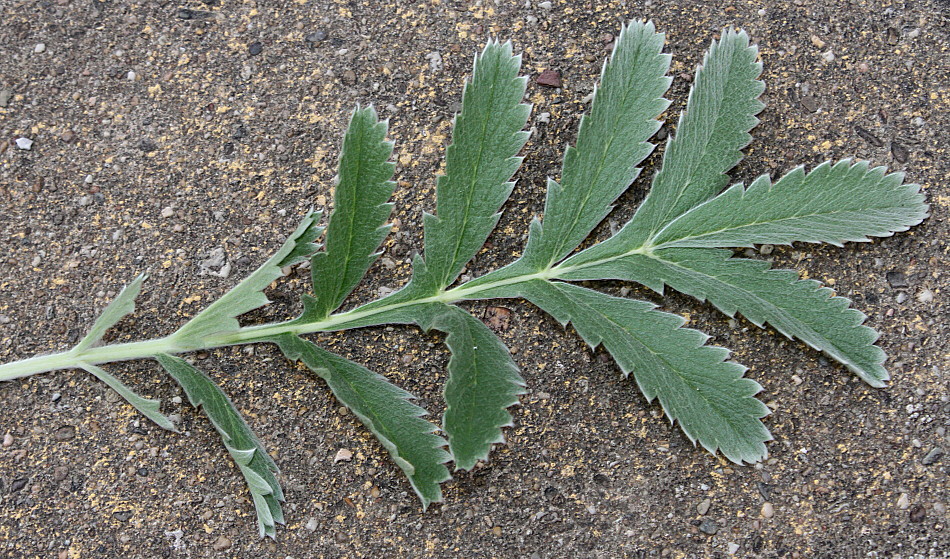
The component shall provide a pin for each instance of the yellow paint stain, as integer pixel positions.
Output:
(155, 90)
(167, 264)
(59, 281)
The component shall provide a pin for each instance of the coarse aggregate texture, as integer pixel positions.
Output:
(186, 138)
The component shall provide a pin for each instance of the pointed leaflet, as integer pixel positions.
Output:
(483, 381)
(478, 165)
(712, 130)
(122, 305)
(832, 204)
(221, 316)
(611, 142)
(705, 394)
(360, 210)
(801, 309)
(147, 407)
(385, 410)
(256, 465)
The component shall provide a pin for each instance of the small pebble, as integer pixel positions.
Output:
(24, 143)
(312, 524)
(709, 526)
(5, 96)
(496, 530)
(917, 513)
(768, 511)
(349, 77)
(316, 37)
(167, 212)
(935, 454)
(65, 433)
(925, 296)
(732, 548)
(544, 5)
(7, 440)
(549, 78)
(809, 103)
(903, 502)
(828, 56)
(343, 455)
(221, 544)
(703, 507)
(255, 48)
(39, 48)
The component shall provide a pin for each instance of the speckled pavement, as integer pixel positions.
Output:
(167, 136)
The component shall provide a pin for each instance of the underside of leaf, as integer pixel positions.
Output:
(483, 382)
(611, 142)
(479, 164)
(697, 387)
(121, 306)
(147, 407)
(257, 467)
(801, 309)
(385, 410)
(221, 316)
(833, 204)
(360, 210)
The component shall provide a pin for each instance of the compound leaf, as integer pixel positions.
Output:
(221, 316)
(832, 204)
(360, 209)
(385, 410)
(697, 388)
(121, 306)
(146, 406)
(478, 165)
(611, 142)
(257, 467)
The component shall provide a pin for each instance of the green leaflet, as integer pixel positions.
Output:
(611, 142)
(360, 209)
(799, 309)
(221, 316)
(832, 204)
(385, 410)
(483, 381)
(712, 130)
(705, 394)
(121, 306)
(257, 467)
(487, 137)
(147, 407)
